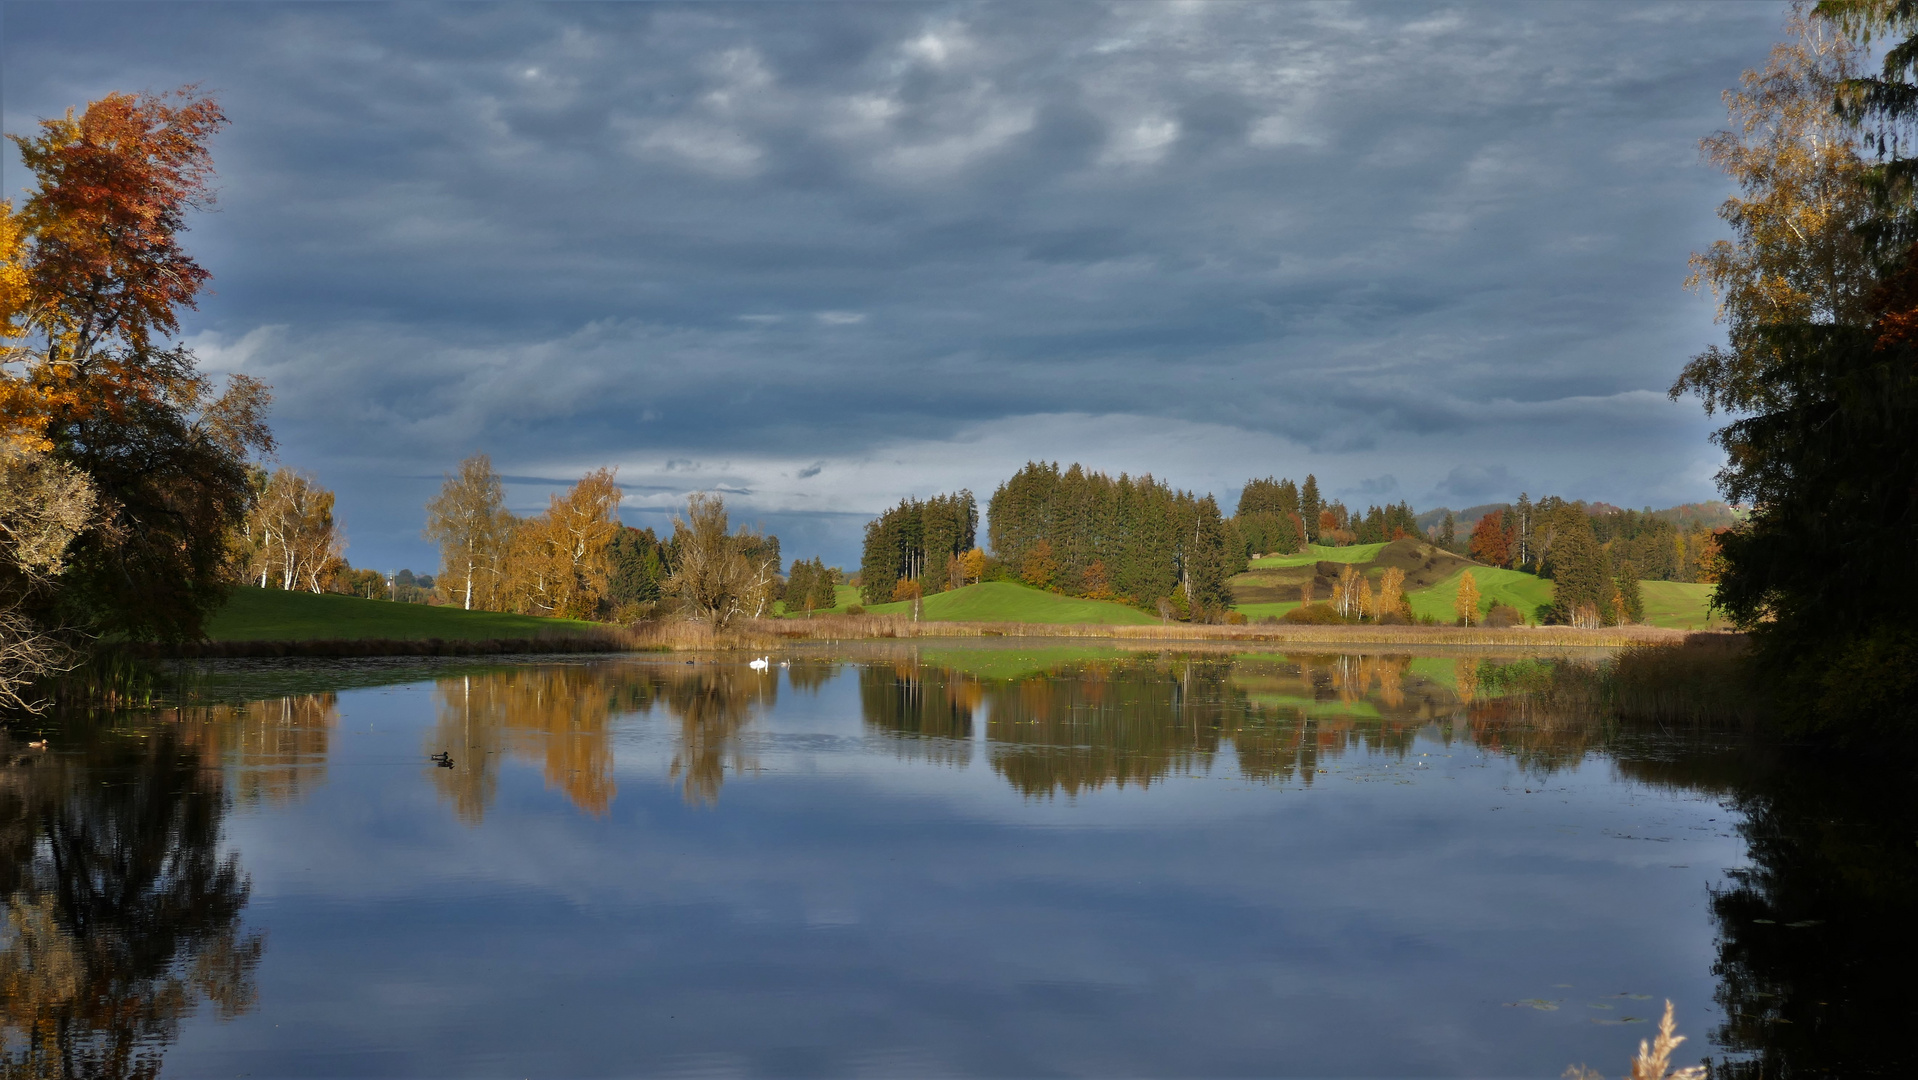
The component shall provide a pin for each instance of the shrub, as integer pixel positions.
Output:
(1314, 615)
(1235, 618)
(856, 609)
(1505, 615)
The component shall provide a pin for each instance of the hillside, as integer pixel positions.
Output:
(254, 614)
(1004, 601)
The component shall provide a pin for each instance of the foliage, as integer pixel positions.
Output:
(1491, 544)
(469, 521)
(289, 539)
(44, 505)
(1821, 382)
(95, 276)
(636, 570)
(712, 576)
(557, 562)
(1133, 539)
(1467, 600)
(916, 542)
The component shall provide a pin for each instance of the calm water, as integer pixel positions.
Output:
(1030, 862)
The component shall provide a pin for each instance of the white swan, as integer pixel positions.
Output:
(760, 664)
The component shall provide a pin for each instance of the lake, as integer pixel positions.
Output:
(937, 859)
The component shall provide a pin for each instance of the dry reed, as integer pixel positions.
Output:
(1654, 1060)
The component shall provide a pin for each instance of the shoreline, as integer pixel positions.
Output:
(680, 636)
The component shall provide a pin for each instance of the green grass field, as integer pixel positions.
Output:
(1680, 605)
(1003, 601)
(1357, 553)
(255, 614)
(1521, 590)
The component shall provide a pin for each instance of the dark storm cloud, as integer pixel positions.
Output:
(833, 254)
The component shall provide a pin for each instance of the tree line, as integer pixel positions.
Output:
(1135, 540)
(1279, 517)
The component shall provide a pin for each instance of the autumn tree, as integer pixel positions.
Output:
(93, 284)
(1467, 601)
(469, 521)
(292, 540)
(1392, 593)
(557, 562)
(974, 565)
(1490, 543)
(711, 576)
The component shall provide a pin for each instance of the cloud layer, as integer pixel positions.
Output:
(823, 256)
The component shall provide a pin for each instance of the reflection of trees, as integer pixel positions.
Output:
(559, 715)
(122, 915)
(271, 751)
(1815, 937)
(562, 715)
(1120, 722)
(926, 708)
(713, 706)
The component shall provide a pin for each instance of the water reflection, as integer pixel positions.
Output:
(562, 718)
(1815, 936)
(123, 915)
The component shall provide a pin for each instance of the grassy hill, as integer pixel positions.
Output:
(1356, 553)
(1680, 605)
(1495, 586)
(1004, 601)
(255, 614)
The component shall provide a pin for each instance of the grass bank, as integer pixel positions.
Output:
(254, 614)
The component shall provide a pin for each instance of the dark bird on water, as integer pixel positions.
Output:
(443, 759)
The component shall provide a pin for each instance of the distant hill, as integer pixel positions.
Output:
(1463, 519)
(1712, 514)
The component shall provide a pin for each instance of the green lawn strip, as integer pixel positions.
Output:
(1517, 588)
(1005, 665)
(1003, 601)
(1680, 605)
(254, 614)
(1356, 553)
(1313, 706)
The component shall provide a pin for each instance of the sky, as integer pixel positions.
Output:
(819, 257)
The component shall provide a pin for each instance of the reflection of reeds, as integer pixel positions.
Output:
(1654, 1060)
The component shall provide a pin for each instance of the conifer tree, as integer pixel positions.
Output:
(1309, 507)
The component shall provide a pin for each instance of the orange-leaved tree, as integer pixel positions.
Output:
(95, 279)
(1466, 603)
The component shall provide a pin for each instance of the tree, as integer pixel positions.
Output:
(95, 278)
(1488, 544)
(1467, 600)
(1576, 566)
(1392, 592)
(635, 571)
(975, 565)
(1309, 507)
(557, 561)
(1799, 255)
(44, 505)
(1819, 378)
(712, 577)
(469, 521)
(1448, 531)
(295, 543)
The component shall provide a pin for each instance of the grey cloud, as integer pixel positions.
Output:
(809, 232)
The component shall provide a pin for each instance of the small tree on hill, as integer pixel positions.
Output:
(1466, 604)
